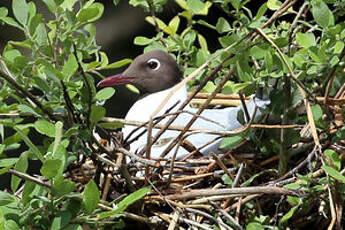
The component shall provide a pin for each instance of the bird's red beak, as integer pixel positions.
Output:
(117, 79)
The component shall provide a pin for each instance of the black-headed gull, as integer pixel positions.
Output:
(155, 74)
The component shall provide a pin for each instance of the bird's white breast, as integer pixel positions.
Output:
(145, 107)
(142, 111)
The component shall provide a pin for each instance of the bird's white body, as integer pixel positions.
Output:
(142, 110)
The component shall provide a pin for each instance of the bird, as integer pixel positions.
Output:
(155, 74)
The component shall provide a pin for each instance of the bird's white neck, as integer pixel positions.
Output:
(143, 109)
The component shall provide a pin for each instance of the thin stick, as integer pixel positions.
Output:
(226, 191)
(190, 123)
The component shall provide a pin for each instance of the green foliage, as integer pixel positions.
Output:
(57, 58)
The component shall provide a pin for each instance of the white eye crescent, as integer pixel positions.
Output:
(153, 64)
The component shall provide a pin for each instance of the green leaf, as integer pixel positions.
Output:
(41, 35)
(90, 14)
(62, 188)
(58, 135)
(3, 12)
(70, 67)
(11, 225)
(51, 5)
(287, 216)
(273, 4)
(231, 142)
(6, 198)
(195, 5)
(90, 197)
(29, 187)
(209, 87)
(173, 25)
(203, 43)
(104, 59)
(333, 173)
(333, 156)
(7, 162)
(11, 22)
(111, 125)
(142, 41)
(321, 13)
(50, 168)
(87, 14)
(261, 12)
(61, 219)
(34, 22)
(227, 180)
(97, 113)
(182, 4)
(20, 11)
(317, 112)
(204, 23)
(293, 186)
(118, 64)
(160, 23)
(133, 88)
(12, 54)
(338, 47)
(68, 5)
(306, 40)
(104, 94)
(45, 127)
(251, 179)
(269, 61)
(21, 166)
(31, 145)
(255, 226)
(93, 65)
(257, 52)
(140, 3)
(226, 41)
(222, 25)
(130, 199)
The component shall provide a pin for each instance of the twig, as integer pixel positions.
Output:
(202, 108)
(106, 187)
(238, 175)
(240, 191)
(174, 220)
(283, 8)
(234, 97)
(88, 86)
(135, 157)
(294, 23)
(225, 214)
(29, 178)
(333, 212)
(245, 110)
(221, 165)
(201, 213)
(69, 105)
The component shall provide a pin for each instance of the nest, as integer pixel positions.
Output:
(226, 190)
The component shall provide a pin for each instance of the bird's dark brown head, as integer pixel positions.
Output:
(150, 72)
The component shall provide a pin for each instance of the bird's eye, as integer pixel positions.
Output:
(153, 64)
